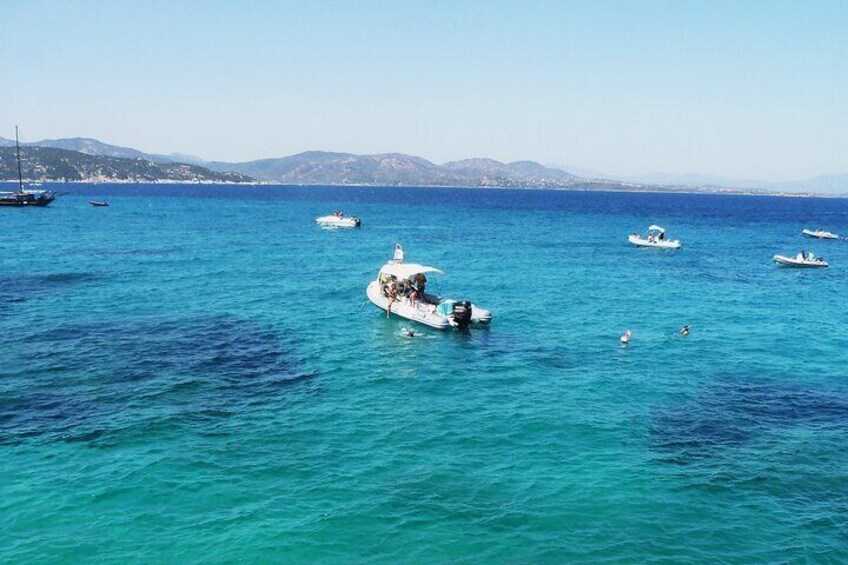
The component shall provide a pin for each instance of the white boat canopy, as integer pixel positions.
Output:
(657, 228)
(406, 270)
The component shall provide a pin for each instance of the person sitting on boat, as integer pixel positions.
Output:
(661, 236)
(409, 291)
(387, 281)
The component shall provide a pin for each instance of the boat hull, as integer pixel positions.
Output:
(792, 262)
(421, 313)
(27, 200)
(819, 234)
(336, 222)
(663, 244)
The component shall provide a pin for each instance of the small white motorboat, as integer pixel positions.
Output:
(338, 220)
(399, 290)
(654, 237)
(819, 234)
(802, 260)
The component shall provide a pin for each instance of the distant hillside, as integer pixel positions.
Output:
(397, 169)
(489, 172)
(823, 184)
(48, 163)
(94, 147)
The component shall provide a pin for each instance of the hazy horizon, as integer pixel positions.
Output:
(753, 91)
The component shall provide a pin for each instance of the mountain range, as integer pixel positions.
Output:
(396, 169)
(822, 184)
(101, 161)
(84, 159)
(52, 164)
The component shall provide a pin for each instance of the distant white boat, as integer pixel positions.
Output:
(803, 260)
(819, 234)
(654, 237)
(338, 221)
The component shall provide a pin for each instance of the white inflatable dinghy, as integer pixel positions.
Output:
(802, 260)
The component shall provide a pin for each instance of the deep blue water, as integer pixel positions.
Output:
(193, 375)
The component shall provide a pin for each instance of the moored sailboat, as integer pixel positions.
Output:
(22, 197)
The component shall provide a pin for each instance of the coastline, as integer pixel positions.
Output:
(589, 187)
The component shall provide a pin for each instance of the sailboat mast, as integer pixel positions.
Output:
(20, 174)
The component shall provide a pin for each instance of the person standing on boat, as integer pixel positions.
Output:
(416, 286)
(421, 284)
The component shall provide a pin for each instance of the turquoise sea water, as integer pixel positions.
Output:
(193, 375)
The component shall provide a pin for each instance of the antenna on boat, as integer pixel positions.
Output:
(20, 174)
(398, 256)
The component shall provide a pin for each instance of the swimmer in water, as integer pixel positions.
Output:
(407, 333)
(685, 330)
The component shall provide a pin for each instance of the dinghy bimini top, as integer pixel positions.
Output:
(407, 270)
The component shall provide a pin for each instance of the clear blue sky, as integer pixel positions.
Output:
(749, 89)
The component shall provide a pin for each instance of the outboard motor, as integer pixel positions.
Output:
(461, 313)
